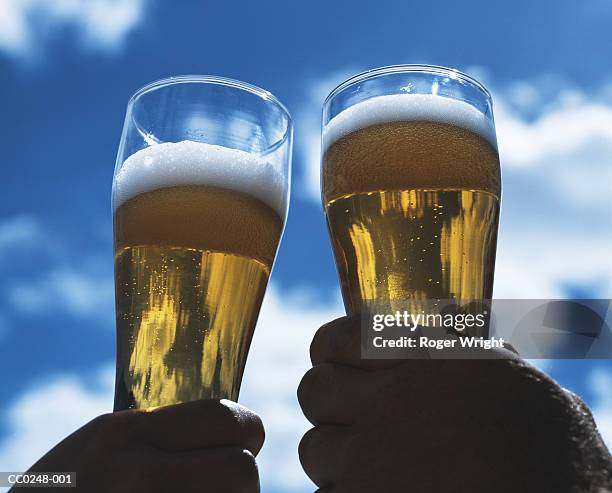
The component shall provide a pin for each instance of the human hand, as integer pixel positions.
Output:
(203, 446)
(469, 425)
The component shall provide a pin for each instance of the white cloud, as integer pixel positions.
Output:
(601, 382)
(83, 288)
(563, 130)
(537, 265)
(78, 292)
(19, 230)
(27, 25)
(46, 414)
(556, 225)
(556, 150)
(569, 144)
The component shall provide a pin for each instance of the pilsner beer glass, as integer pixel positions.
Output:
(411, 187)
(200, 197)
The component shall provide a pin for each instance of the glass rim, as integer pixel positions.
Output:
(212, 80)
(407, 68)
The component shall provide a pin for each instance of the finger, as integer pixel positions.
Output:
(331, 394)
(339, 342)
(200, 424)
(321, 450)
(360, 458)
(227, 469)
(414, 390)
(337, 395)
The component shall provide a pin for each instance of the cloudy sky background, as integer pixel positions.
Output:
(67, 68)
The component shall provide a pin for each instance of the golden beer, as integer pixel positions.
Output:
(412, 203)
(191, 267)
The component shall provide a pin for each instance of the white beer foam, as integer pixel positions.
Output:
(197, 163)
(408, 107)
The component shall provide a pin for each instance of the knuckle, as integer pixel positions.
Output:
(248, 431)
(317, 387)
(245, 472)
(310, 449)
(258, 425)
(100, 422)
(306, 444)
(131, 422)
(118, 428)
(311, 441)
(322, 440)
(222, 407)
(321, 342)
(228, 415)
(315, 378)
(241, 424)
(305, 390)
(231, 418)
(105, 424)
(329, 338)
(255, 433)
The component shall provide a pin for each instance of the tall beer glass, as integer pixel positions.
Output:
(411, 187)
(200, 198)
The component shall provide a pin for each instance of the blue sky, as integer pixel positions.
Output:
(67, 68)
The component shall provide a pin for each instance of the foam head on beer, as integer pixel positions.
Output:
(408, 107)
(196, 231)
(411, 188)
(197, 163)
